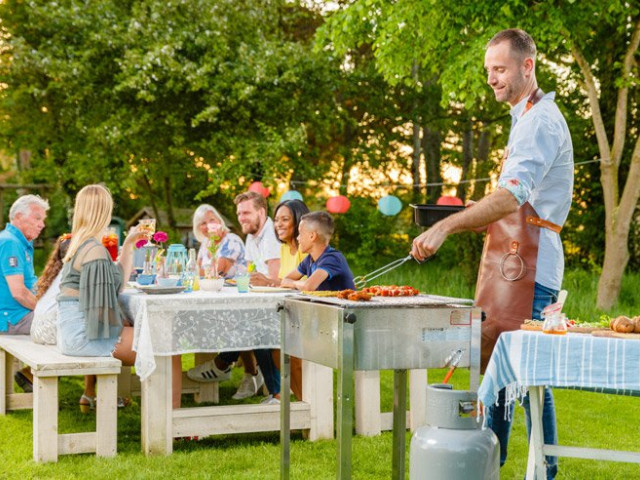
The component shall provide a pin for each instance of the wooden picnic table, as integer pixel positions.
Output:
(168, 325)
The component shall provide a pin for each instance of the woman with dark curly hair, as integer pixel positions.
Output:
(43, 327)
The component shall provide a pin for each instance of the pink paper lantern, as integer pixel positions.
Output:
(338, 204)
(449, 200)
(259, 188)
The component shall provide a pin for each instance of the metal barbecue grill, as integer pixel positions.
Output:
(396, 333)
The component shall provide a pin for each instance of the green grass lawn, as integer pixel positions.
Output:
(584, 419)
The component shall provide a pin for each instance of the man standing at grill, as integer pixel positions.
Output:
(18, 280)
(522, 261)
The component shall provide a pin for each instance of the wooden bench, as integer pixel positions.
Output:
(47, 364)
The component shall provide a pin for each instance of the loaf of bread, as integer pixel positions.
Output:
(636, 323)
(623, 324)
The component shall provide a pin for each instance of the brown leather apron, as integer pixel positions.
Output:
(507, 275)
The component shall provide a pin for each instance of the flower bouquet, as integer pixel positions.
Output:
(212, 281)
(151, 259)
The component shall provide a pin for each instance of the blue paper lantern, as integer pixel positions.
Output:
(291, 195)
(389, 205)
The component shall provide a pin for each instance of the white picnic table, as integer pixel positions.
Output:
(174, 324)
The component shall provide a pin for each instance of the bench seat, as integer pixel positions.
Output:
(47, 365)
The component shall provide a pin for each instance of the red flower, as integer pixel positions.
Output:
(160, 236)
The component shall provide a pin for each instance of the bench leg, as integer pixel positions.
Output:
(45, 419)
(107, 415)
(367, 401)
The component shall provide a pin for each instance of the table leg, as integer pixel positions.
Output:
(157, 410)
(536, 464)
(317, 391)
(285, 408)
(345, 402)
(5, 387)
(399, 422)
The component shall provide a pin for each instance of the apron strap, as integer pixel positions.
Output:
(539, 222)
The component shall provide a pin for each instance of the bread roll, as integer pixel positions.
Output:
(623, 324)
(636, 323)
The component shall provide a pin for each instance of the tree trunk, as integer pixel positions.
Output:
(431, 146)
(481, 168)
(147, 186)
(616, 257)
(169, 200)
(415, 161)
(467, 159)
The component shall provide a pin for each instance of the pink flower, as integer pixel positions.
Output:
(141, 243)
(160, 236)
(214, 227)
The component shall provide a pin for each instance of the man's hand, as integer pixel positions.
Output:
(428, 243)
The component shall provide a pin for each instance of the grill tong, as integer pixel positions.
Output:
(361, 280)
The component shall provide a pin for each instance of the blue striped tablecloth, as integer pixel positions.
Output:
(522, 358)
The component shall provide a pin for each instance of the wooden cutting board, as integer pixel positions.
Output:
(612, 334)
(537, 328)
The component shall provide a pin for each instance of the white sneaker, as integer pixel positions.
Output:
(249, 386)
(270, 400)
(208, 372)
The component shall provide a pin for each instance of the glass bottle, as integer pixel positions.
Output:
(192, 266)
(555, 323)
(190, 271)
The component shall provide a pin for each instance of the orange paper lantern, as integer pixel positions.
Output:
(259, 188)
(449, 200)
(338, 204)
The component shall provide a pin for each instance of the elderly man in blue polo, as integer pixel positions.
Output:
(17, 276)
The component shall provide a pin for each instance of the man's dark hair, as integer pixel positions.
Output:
(298, 210)
(519, 41)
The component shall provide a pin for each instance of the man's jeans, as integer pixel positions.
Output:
(500, 421)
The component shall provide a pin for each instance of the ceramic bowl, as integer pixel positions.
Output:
(146, 279)
(211, 284)
(167, 281)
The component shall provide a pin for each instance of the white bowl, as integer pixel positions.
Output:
(211, 284)
(167, 281)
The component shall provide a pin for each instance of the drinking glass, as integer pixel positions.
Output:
(148, 227)
(110, 242)
(242, 282)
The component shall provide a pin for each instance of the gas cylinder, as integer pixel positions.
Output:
(453, 445)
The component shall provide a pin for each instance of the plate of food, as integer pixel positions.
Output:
(266, 289)
(158, 290)
(230, 282)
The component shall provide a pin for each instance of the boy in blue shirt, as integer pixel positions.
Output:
(325, 267)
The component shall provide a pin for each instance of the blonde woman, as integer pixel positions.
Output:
(89, 319)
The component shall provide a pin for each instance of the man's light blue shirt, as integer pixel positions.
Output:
(16, 258)
(539, 169)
